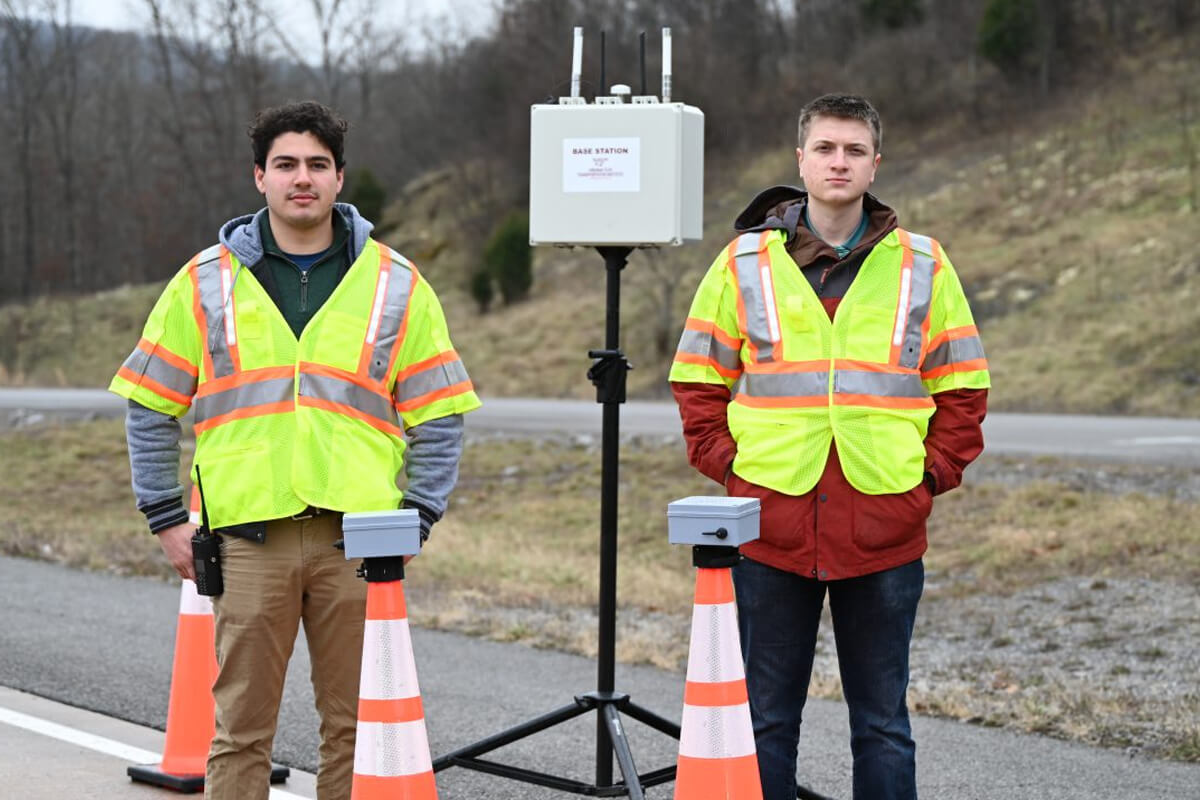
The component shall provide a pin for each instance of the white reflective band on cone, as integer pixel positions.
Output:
(384, 675)
(716, 731)
(714, 655)
(191, 602)
(389, 749)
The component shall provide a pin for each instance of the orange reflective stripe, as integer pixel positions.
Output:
(953, 333)
(402, 330)
(722, 693)
(854, 365)
(780, 367)
(426, 399)
(198, 313)
(242, 378)
(704, 344)
(444, 357)
(376, 319)
(228, 304)
(157, 350)
(350, 411)
(405, 709)
(389, 307)
(154, 386)
(974, 365)
(875, 401)
(782, 402)
(770, 306)
(904, 296)
(244, 413)
(704, 361)
(711, 328)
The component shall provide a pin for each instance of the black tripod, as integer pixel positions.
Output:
(608, 374)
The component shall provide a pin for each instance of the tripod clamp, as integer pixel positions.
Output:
(607, 374)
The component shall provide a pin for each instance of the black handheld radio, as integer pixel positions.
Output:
(206, 552)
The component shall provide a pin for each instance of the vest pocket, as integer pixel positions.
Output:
(236, 480)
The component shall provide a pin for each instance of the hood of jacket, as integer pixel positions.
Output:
(782, 208)
(241, 234)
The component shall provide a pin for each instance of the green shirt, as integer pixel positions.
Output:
(301, 293)
(845, 247)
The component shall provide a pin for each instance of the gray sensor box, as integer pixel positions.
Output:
(699, 520)
(379, 534)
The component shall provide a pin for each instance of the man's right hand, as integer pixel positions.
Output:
(176, 542)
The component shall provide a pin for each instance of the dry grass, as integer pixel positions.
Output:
(1005, 538)
(516, 560)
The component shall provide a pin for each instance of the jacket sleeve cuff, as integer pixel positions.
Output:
(165, 514)
(427, 517)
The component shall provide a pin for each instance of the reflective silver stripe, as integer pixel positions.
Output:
(333, 390)
(395, 302)
(920, 296)
(258, 393)
(708, 346)
(754, 296)
(439, 376)
(787, 384)
(880, 384)
(161, 372)
(954, 351)
(212, 301)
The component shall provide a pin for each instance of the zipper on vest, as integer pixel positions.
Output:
(303, 290)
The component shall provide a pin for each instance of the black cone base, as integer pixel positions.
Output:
(187, 784)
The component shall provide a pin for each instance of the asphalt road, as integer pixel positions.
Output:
(1149, 440)
(105, 643)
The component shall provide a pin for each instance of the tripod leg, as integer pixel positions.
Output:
(511, 735)
(804, 793)
(648, 717)
(620, 744)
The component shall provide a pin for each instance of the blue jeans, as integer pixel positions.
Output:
(873, 615)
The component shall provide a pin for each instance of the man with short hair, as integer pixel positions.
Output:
(830, 367)
(308, 353)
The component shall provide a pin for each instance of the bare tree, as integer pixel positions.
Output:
(25, 76)
(61, 112)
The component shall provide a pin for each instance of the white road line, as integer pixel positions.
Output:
(1159, 440)
(73, 736)
(100, 744)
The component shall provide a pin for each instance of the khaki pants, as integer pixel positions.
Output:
(269, 588)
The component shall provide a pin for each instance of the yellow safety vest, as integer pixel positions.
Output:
(283, 424)
(799, 380)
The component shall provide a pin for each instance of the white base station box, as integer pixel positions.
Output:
(616, 174)
(720, 521)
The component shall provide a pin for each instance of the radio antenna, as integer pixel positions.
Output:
(576, 61)
(603, 64)
(666, 65)
(642, 59)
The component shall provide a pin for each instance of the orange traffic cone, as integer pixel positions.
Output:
(391, 752)
(717, 759)
(191, 720)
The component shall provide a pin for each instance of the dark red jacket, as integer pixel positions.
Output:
(833, 531)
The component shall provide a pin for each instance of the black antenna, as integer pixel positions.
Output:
(203, 505)
(642, 59)
(603, 88)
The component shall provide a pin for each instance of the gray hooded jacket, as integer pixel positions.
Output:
(434, 447)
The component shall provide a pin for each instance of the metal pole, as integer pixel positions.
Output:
(614, 262)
